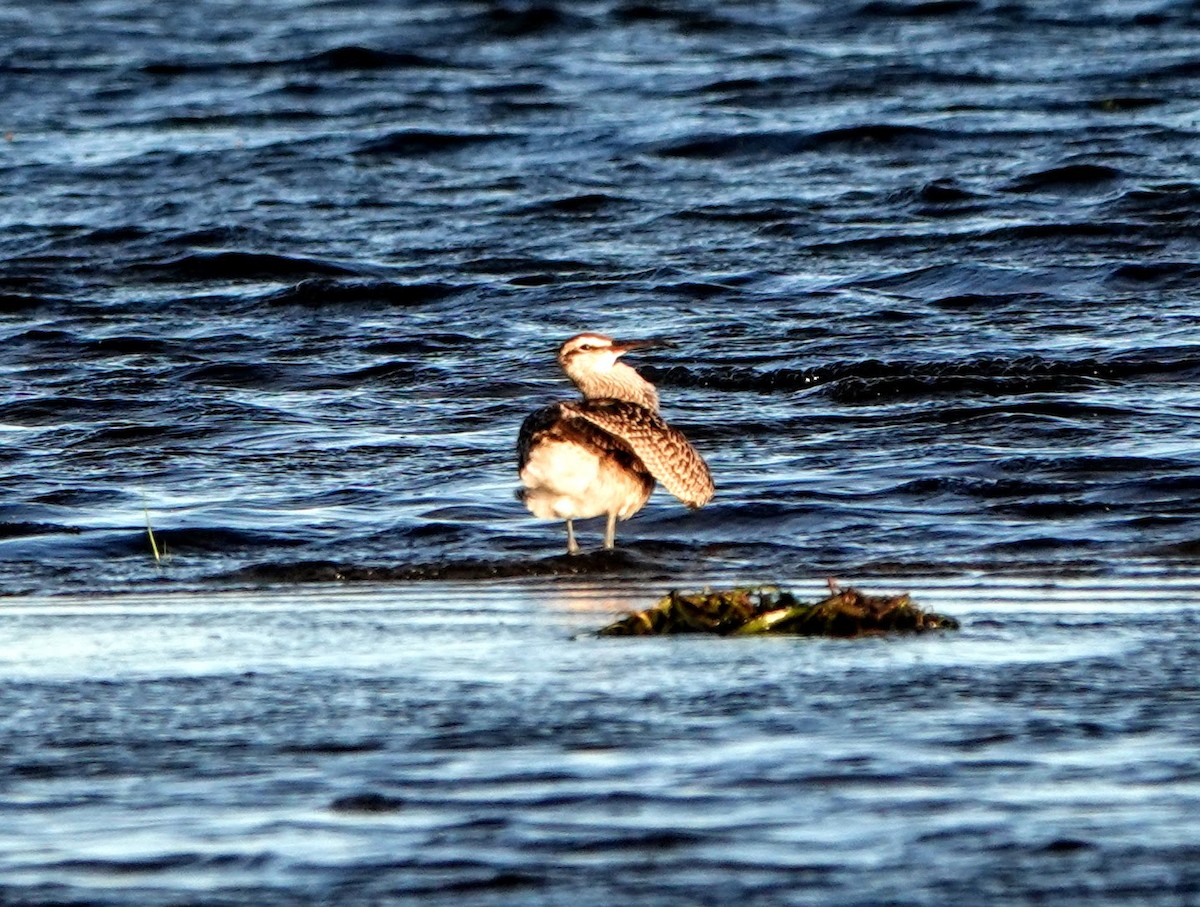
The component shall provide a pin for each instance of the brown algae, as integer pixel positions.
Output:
(760, 610)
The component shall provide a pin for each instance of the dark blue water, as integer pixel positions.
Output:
(290, 277)
(284, 278)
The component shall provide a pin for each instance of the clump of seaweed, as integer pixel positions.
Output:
(757, 610)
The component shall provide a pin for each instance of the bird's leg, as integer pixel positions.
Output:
(610, 532)
(572, 545)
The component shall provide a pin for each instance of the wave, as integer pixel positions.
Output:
(53, 410)
(892, 9)
(222, 539)
(581, 205)
(524, 20)
(123, 435)
(343, 58)
(620, 561)
(26, 529)
(370, 802)
(873, 380)
(240, 265)
(754, 213)
(12, 303)
(946, 191)
(71, 543)
(527, 268)
(22, 293)
(1182, 274)
(419, 142)
(743, 145)
(685, 17)
(819, 86)
(1068, 177)
(1182, 70)
(261, 376)
(354, 57)
(1175, 203)
(318, 292)
(1063, 238)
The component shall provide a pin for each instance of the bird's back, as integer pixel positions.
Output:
(559, 423)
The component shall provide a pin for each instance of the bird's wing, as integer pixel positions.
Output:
(558, 422)
(664, 450)
(537, 422)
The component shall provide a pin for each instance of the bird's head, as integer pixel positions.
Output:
(596, 353)
(591, 362)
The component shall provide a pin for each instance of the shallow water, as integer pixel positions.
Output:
(288, 278)
(476, 745)
(282, 280)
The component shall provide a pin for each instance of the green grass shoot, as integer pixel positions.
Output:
(159, 554)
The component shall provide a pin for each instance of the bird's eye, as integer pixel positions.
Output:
(586, 347)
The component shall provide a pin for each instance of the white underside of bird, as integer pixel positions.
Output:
(565, 480)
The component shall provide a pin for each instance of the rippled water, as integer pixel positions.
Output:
(284, 278)
(289, 279)
(471, 745)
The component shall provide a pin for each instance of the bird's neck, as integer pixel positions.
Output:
(617, 383)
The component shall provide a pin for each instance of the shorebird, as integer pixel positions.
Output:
(600, 456)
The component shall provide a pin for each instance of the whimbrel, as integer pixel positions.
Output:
(601, 455)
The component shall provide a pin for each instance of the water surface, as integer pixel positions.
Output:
(467, 745)
(290, 277)
(284, 278)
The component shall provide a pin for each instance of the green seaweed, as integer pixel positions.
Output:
(761, 610)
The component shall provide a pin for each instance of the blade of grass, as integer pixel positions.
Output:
(153, 543)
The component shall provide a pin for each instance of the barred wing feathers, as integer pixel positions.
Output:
(557, 423)
(663, 449)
